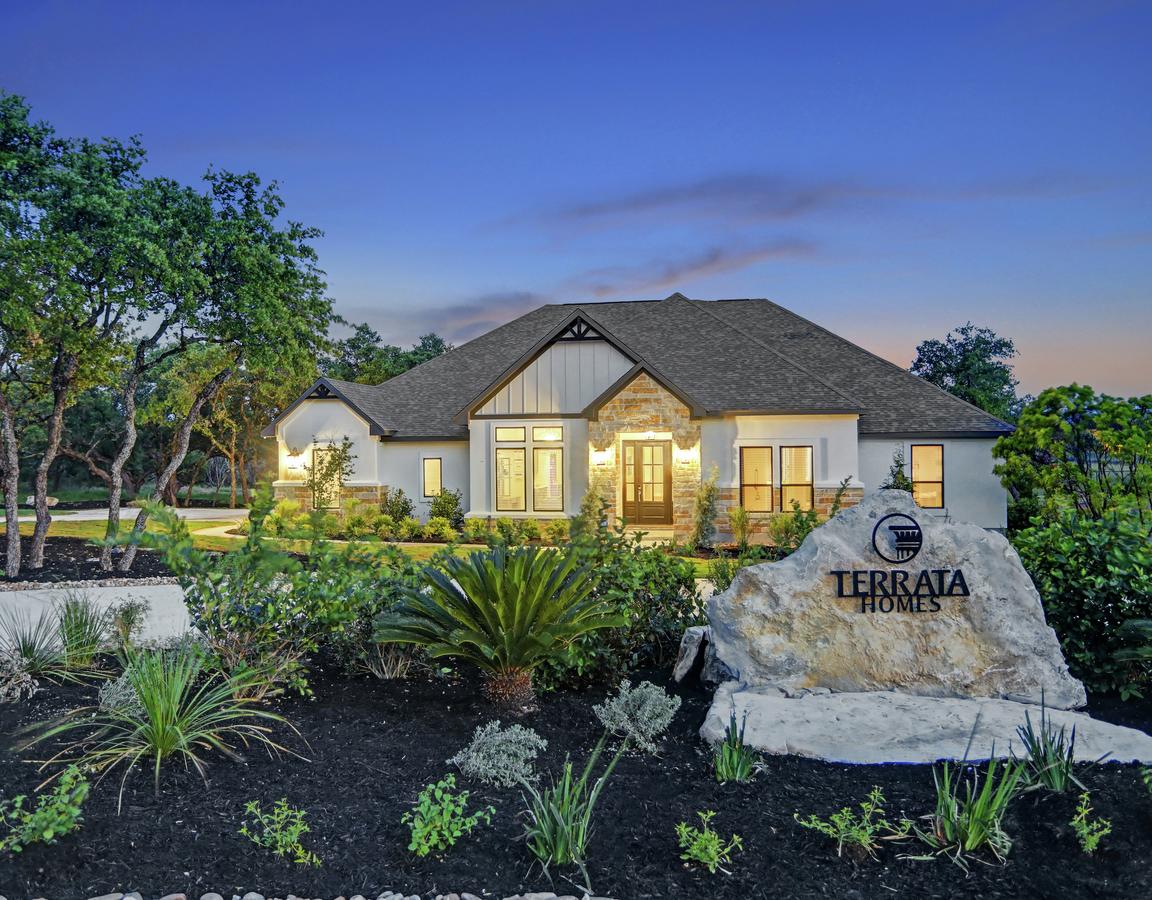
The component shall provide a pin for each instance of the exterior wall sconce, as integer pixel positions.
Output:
(600, 458)
(684, 456)
(294, 461)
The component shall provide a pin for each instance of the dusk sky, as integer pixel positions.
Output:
(888, 170)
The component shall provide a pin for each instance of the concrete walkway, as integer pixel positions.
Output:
(128, 513)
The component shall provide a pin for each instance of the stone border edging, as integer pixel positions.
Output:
(78, 585)
(387, 895)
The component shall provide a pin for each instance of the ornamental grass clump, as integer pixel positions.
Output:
(734, 760)
(560, 816)
(501, 757)
(505, 611)
(970, 811)
(1049, 754)
(184, 714)
(84, 628)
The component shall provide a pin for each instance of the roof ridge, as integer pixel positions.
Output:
(887, 362)
(773, 350)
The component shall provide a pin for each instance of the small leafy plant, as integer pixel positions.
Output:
(704, 846)
(279, 831)
(860, 832)
(1089, 832)
(735, 760)
(438, 819)
(55, 815)
(500, 757)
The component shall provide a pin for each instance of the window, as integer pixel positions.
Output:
(928, 475)
(756, 479)
(796, 478)
(509, 434)
(433, 483)
(547, 479)
(511, 487)
(545, 433)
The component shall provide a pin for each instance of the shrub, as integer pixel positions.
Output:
(83, 628)
(860, 832)
(499, 756)
(284, 519)
(438, 819)
(476, 531)
(739, 523)
(448, 504)
(722, 571)
(704, 846)
(440, 529)
(788, 530)
(557, 531)
(120, 694)
(508, 531)
(1089, 832)
(395, 503)
(506, 611)
(56, 814)
(16, 683)
(409, 529)
(734, 760)
(279, 831)
(359, 520)
(1049, 755)
(182, 717)
(529, 530)
(127, 620)
(560, 816)
(1092, 576)
(970, 812)
(704, 511)
(385, 527)
(897, 480)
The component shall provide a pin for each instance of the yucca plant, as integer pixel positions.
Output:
(734, 760)
(84, 629)
(970, 811)
(506, 611)
(36, 642)
(182, 713)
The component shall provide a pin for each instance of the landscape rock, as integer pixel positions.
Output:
(696, 647)
(783, 623)
(886, 726)
(211, 896)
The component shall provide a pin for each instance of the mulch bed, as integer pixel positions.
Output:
(373, 745)
(76, 559)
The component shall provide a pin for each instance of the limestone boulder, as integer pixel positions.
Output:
(796, 624)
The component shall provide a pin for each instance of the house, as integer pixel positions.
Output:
(644, 399)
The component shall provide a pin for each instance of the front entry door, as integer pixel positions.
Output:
(648, 482)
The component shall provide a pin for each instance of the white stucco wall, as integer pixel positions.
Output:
(832, 439)
(401, 465)
(972, 493)
(482, 466)
(316, 422)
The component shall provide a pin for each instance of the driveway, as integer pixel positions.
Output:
(128, 513)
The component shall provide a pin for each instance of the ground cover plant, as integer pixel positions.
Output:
(1089, 831)
(278, 830)
(56, 813)
(440, 817)
(705, 846)
(859, 833)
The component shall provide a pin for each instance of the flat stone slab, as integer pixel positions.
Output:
(891, 727)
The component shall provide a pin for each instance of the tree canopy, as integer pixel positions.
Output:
(973, 364)
(365, 358)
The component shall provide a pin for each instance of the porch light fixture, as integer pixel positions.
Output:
(600, 458)
(686, 455)
(294, 460)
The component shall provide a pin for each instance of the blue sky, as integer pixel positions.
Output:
(889, 170)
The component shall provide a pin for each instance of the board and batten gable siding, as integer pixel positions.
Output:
(972, 492)
(563, 379)
(314, 423)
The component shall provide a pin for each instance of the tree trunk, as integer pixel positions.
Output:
(245, 490)
(232, 477)
(116, 477)
(11, 466)
(62, 377)
(180, 450)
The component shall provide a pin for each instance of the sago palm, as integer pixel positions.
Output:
(504, 610)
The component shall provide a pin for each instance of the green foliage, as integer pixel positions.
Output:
(1049, 755)
(788, 530)
(1093, 575)
(285, 519)
(55, 815)
(860, 832)
(559, 822)
(385, 527)
(508, 530)
(499, 756)
(1074, 449)
(704, 846)
(397, 504)
(184, 714)
(722, 568)
(440, 529)
(704, 511)
(734, 760)
(557, 531)
(35, 642)
(970, 811)
(448, 504)
(897, 479)
(409, 529)
(364, 358)
(83, 628)
(127, 620)
(1089, 832)
(438, 819)
(591, 517)
(739, 523)
(973, 364)
(279, 831)
(1136, 629)
(331, 468)
(506, 611)
(529, 530)
(476, 531)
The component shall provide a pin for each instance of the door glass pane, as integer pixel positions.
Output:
(510, 488)
(548, 479)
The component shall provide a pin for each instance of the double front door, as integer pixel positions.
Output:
(647, 480)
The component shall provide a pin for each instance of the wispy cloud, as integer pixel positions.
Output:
(657, 274)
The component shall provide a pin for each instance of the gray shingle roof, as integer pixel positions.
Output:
(725, 355)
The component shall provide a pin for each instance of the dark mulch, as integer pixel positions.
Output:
(372, 745)
(76, 559)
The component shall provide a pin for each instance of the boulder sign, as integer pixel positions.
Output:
(886, 596)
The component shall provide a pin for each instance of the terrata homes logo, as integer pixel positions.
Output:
(897, 539)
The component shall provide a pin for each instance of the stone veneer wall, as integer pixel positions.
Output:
(641, 406)
(365, 493)
(758, 522)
